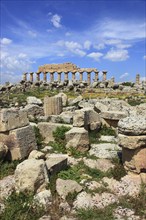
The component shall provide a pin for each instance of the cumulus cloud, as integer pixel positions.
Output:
(124, 75)
(5, 41)
(87, 44)
(95, 55)
(56, 20)
(116, 55)
(14, 64)
(72, 46)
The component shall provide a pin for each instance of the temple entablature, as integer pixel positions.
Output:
(64, 71)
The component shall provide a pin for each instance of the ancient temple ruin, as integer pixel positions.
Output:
(63, 69)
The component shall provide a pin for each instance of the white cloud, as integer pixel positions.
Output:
(126, 30)
(116, 55)
(32, 33)
(124, 75)
(56, 20)
(99, 46)
(14, 64)
(87, 44)
(95, 55)
(5, 41)
(72, 45)
(144, 57)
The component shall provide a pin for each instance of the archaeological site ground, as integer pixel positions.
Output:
(72, 148)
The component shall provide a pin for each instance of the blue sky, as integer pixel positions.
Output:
(103, 34)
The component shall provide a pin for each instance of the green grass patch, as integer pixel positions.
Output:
(59, 137)
(96, 214)
(7, 168)
(94, 136)
(21, 207)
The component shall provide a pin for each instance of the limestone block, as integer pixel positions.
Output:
(21, 142)
(44, 199)
(131, 142)
(33, 100)
(105, 150)
(31, 176)
(99, 107)
(79, 118)
(64, 187)
(133, 125)
(113, 115)
(64, 98)
(33, 110)
(55, 163)
(46, 130)
(36, 155)
(92, 119)
(52, 105)
(134, 160)
(7, 186)
(12, 119)
(76, 100)
(77, 138)
(100, 164)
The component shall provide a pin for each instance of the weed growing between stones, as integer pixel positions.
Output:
(20, 207)
(7, 168)
(94, 213)
(94, 136)
(38, 136)
(77, 173)
(59, 137)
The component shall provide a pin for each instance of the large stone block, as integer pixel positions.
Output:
(55, 163)
(77, 138)
(131, 142)
(21, 142)
(134, 160)
(46, 130)
(11, 119)
(31, 176)
(79, 118)
(52, 105)
(133, 125)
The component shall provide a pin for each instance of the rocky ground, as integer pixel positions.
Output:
(73, 159)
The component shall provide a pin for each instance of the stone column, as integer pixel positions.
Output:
(137, 79)
(31, 77)
(38, 76)
(104, 75)
(81, 76)
(66, 76)
(59, 76)
(96, 76)
(25, 77)
(51, 76)
(73, 75)
(45, 76)
(88, 78)
(52, 105)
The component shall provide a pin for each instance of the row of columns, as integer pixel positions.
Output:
(65, 76)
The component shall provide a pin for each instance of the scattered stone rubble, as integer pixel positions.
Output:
(17, 141)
